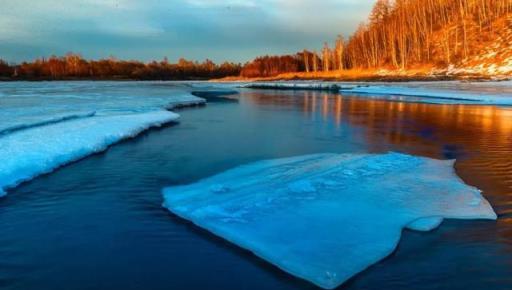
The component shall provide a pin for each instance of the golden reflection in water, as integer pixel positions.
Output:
(313, 103)
(325, 107)
(471, 125)
(338, 110)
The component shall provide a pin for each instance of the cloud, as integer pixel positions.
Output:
(227, 29)
(221, 3)
(48, 17)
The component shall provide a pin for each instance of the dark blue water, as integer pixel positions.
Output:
(99, 224)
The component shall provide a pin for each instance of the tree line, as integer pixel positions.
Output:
(73, 66)
(272, 65)
(400, 34)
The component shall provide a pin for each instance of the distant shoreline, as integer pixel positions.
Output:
(339, 76)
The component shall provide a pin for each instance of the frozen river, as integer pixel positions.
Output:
(99, 223)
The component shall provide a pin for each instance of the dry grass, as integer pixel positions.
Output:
(427, 73)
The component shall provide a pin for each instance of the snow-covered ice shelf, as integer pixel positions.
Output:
(327, 217)
(31, 152)
(27, 104)
(45, 125)
(435, 95)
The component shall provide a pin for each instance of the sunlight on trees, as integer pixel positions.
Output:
(403, 33)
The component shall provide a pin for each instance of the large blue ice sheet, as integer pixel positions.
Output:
(327, 217)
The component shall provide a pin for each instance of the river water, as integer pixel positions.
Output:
(99, 224)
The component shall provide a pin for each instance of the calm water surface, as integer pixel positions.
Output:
(99, 224)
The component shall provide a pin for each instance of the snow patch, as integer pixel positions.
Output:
(327, 217)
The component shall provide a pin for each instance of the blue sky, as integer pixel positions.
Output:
(235, 30)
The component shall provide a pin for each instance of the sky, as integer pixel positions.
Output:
(232, 30)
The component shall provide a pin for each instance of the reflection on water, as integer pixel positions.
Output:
(99, 224)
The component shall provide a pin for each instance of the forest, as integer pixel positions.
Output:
(73, 66)
(400, 34)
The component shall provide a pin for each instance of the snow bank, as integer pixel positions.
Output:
(432, 95)
(28, 153)
(327, 217)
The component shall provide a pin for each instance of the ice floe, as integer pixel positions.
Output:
(31, 152)
(327, 217)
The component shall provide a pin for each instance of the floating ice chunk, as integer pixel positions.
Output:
(433, 95)
(285, 212)
(31, 152)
